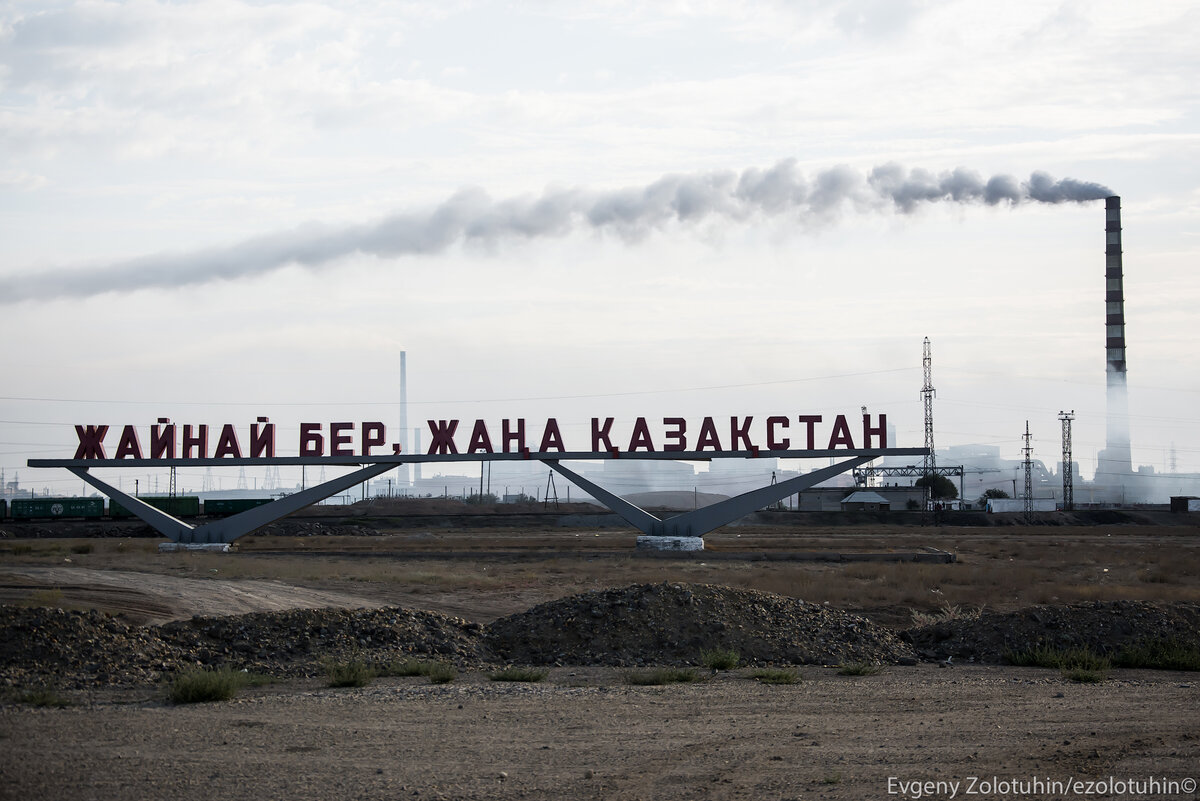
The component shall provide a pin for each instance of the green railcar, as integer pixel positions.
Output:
(223, 507)
(179, 506)
(3, 508)
(36, 508)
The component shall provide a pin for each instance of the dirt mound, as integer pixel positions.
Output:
(674, 623)
(297, 639)
(40, 646)
(1103, 627)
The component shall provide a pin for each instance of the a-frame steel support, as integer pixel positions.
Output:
(228, 529)
(699, 522)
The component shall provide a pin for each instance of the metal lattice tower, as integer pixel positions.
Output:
(927, 394)
(1028, 450)
(1068, 468)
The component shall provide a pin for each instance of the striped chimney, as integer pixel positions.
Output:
(1116, 458)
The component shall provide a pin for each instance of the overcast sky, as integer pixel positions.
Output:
(219, 210)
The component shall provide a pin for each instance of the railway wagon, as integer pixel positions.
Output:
(3, 508)
(180, 505)
(223, 507)
(36, 508)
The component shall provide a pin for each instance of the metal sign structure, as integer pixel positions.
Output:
(167, 449)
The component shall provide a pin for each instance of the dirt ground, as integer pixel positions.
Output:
(585, 733)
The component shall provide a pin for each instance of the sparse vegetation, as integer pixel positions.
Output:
(859, 669)
(203, 685)
(776, 676)
(657, 676)
(81, 548)
(436, 672)
(1064, 659)
(440, 672)
(947, 612)
(354, 673)
(720, 659)
(1084, 676)
(1160, 654)
(519, 674)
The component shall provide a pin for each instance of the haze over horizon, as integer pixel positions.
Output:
(220, 211)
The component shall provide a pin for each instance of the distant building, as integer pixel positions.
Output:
(865, 501)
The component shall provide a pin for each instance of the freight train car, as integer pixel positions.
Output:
(179, 506)
(223, 507)
(37, 508)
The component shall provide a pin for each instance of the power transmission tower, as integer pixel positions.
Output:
(207, 484)
(927, 394)
(241, 478)
(1068, 465)
(1028, 450)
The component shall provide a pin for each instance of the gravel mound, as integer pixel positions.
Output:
(40, 646)
(1103, 627)
(645, 624)
(673, 623)
(296, 640)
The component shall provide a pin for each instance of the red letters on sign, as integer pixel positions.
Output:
(551, 438)
(777, 444)
(262, 442)
(442, 436)
(311, 441)
(679, 435)
(841, 433)
(708, 436)
(600, 434)
(810, 420)
(511, 437)
(166, 443)
(129, 444)
(480, 441)
(373, 435)
(227, 443)
(162, 440)
(641, 437)
(339, 440)
(91, 442)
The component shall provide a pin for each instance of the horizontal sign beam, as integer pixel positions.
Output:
(425, 458)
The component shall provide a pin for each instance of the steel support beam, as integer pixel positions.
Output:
(229, 529)
(636, 516)
(699, 522)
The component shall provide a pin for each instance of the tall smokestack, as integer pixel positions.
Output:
(1115, 458)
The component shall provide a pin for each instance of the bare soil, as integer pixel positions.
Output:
(585, 733)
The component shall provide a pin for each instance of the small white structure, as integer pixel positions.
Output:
(654, 543)
(175, 547)
(865, 501)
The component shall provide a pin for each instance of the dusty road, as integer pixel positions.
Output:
(585, 734)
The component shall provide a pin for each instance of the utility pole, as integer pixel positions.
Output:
(927, 395)
(1068, 464)
(1028, 449)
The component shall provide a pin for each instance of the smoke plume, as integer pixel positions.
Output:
(471, 216)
